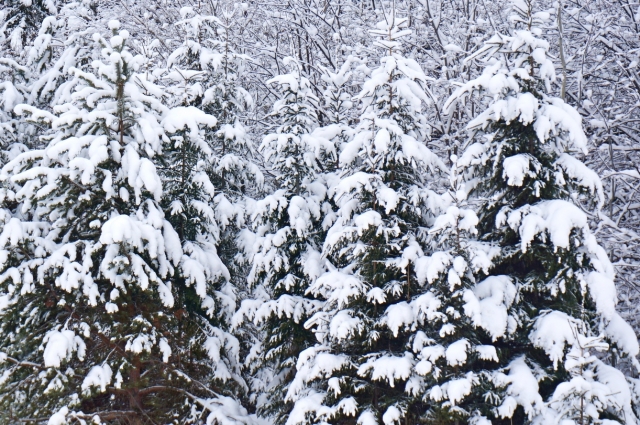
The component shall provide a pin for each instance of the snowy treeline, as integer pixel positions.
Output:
(319, 212)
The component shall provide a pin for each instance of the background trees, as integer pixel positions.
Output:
(356, 211)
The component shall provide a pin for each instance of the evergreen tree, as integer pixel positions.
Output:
(63, 42)
(37, 76)
(210, 72)
(362, 364)
(367, 297)
(202, 281)
(455, 347)
(19, 24)
(91, 314)
(337, 100)
(337, 114)
(532, 191)
(285, 244)
(13, 78)
(206, 72)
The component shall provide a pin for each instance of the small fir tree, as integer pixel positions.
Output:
(206, 72)
(64, 41)
(210, 73)
(456, 346)
(13, 79)
(39, 75)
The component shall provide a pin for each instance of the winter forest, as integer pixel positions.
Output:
(345, 212)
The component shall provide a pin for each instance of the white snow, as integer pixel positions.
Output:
(312, 403)
(387, 368)
(60, 345)
(367, 418)
(397, 316)
(552, 332)
(486, 352)
(456, 353)
(60, 417)
(457, 389)
(522, 389)
(98, 376)
(623, 335)
(165, 349)
(517, 167)
(555, 218)
(343, 325)
(487, 304)
(189, 118)
(314, 363)
(577, 171)
(391, 416)
(338, 288)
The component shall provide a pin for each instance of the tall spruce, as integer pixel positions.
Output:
(13, 82)
(506, 321)
(208, 72)
(362, 363)
(523, 170)
(38, 75)
(64, 41)
(93, 323)
(22, 25)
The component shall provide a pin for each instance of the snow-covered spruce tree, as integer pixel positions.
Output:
(361, 368)
(211, 72)
(336, 113)
(90, 316)
(284, 245)
(337, 100)
(207, 73)
(16, 76)
(38, 77)
(13, 79)
(202, 281)
(19, 24)
(465, 315)
(532, 192)
(63, 42)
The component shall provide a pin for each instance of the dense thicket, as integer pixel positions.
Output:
(319, 212)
